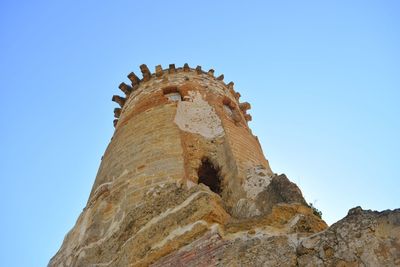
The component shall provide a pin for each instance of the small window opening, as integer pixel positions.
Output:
(209, 175)
(170, 89)
(228, 110)
(172, 93)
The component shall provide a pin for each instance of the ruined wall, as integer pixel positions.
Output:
(168, 124)
(184, 182)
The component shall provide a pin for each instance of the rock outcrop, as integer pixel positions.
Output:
(184, 182)
(364, 238)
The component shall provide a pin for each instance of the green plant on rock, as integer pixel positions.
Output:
(316, 211)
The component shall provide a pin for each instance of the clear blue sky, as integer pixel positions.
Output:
(323, 78)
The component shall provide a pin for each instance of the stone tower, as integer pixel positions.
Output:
(178, 122)
(184, 182)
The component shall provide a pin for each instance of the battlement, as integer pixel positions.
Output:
(163, 74)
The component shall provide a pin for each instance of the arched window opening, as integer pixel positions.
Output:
(209, 175)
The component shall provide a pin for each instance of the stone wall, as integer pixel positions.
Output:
(151, 205)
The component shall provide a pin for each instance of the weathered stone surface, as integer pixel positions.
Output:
(184, 182)
(280, 190)
(364, 239)
(113, 231)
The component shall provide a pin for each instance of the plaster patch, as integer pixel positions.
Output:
(195, 115)
(256, 181)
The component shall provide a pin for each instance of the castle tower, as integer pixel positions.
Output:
(182, 166)
(182, 125)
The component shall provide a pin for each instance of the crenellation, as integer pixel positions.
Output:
(126, 89)
(171, 69)
(159, 71)
(247, 117)
(117, 112)
(145, 72)
(231, 89)
(119, 100)
(198, 70)
(244, 106)
(134, 79)
(237, 96)
(134, 93)
(186, 67)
